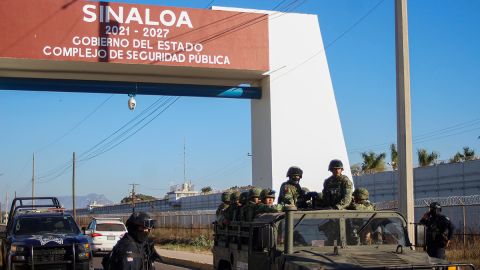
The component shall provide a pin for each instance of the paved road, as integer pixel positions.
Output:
(97, 263)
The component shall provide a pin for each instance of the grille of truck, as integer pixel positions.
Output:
(50, 255)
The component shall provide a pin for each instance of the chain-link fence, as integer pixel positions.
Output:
(179, 225)
(463, 211)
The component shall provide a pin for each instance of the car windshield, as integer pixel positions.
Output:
(375, 231)
(110, 227)
(312, 230)
(316, 232)
(39, 225)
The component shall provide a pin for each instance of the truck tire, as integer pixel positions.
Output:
(224, 265)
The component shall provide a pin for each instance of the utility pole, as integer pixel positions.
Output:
(6, 206)
(404, 125)
(33, 177)
(133, 196)
(73, 189)
(184, 162)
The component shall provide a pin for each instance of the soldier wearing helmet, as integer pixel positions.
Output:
(439, 231)
(220, 213)
(337, 189)
(233, 208)
(267, 197)
(291, 190)
(133, 251)
(243, 202)
(253, 201)
(360, 200)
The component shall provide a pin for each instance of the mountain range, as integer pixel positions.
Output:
(84, 200)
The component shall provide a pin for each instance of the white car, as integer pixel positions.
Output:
(104, 233)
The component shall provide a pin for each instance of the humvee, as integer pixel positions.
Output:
(322, 239)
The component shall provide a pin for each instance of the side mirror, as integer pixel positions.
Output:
(420, 235)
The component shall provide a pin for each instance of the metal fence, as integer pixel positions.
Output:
(180, 219)
(463, 211)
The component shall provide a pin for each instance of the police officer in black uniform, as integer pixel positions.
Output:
(439, 231)
(134, 251)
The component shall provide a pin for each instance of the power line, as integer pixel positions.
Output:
(210, 4)
(76, 125)
(125, 125)
(103, 149)
(135, 132)
(354, 24)
(106, 145)
(240, 26)
(279, 4)
(224, 168)
(253, 21)
(331, 43)
(431, 135)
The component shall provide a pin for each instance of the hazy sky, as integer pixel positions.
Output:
(444, 38)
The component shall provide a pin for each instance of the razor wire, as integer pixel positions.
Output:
(425, 202)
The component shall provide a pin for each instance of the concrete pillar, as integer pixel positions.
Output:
(296, 122)
(404, 127)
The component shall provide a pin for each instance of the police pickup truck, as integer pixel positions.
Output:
(39, 235)
(322, 239)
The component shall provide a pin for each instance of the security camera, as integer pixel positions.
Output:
(132, 103)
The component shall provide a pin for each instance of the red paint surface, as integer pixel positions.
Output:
(27, 26)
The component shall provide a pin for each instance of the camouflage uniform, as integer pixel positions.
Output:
(233, 208)
(360, 201)
(289, 193)
(291, 190)
(220, 213)
(250, 208)
(243, 201)
(265, 208)
(337, 192)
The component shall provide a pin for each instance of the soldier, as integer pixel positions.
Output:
(223, 206)
(267, 197)
(253, 201)
(243, 202)
(233, 208)
(337, 189)
(360, 201)
(439, 231)
(291, 190)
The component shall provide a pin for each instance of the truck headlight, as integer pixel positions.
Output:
(17, 249)
(83, 251)
(18, 258)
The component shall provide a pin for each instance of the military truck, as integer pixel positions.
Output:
(322, 239)
(40, 235)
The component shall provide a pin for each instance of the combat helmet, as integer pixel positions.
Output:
(226, 196)
(234, 196)
(435, 205)
(244, 197)
(139, 219)
(254, 193)
(294, 170)
(335, 164)
(361, 193)
(267, 193)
